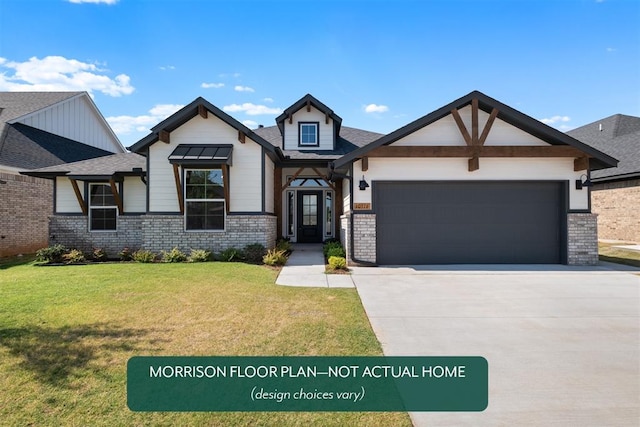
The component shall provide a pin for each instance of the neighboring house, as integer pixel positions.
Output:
(472, 182)
(39, 129)
(615, 193)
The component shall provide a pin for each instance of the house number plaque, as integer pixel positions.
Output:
(362, 206)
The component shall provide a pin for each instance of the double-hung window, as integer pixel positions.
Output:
(308, 134)
(103, 210)
(204, 199)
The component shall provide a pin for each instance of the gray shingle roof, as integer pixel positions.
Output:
(114, 164)
(18, 104)
(619, 138)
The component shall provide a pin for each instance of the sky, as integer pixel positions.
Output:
(378, 64)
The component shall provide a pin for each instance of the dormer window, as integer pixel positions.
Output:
(308, 134)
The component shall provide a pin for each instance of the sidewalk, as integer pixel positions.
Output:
(305, 268)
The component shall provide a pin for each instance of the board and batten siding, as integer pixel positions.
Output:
(325, 130)
(245, 181)
(269, 170)
(66, 201)
(456, 169)
(134, 195)
(75, 119)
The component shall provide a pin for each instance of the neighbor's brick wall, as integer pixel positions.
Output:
(582, 236)
(73, 232)
(25, 204)
(618, 207)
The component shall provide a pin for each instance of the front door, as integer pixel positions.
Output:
(309, 217)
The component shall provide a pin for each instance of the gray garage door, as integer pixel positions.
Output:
(470, 222)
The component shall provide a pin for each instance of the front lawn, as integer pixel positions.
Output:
(66, 334)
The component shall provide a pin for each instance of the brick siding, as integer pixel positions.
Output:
(582, 235)
(617, 205)
(25, 204)
(364, 236)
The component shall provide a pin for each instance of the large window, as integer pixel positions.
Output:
(204, 199)
(308, 134)
(102, 208)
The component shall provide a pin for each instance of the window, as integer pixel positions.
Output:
(102, 208)
(290, 213)
(204, 199)
(328, 213)
(308, 134)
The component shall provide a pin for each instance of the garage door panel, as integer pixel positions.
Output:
(469, 222)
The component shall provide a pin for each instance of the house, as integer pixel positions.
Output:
(615, 193)
(39, 129)
(472, 182)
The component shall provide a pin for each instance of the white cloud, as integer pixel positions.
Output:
(167, 67)
(212, 85)
(123, 125)
(373, 108)
(268, 99)
(243, 89)
(555, 119)
(611, 49)
(250, 124)
(251, 109)
(57, 73)
(224, 75)
(93, 1)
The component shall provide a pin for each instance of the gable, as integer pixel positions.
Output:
(325, 129)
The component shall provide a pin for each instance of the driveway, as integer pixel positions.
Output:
(562, 343)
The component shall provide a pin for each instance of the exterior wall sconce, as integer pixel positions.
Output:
(586, 183)
(363, 184)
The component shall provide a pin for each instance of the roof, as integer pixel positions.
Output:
(14, 105)
(348, 140)
(309, 99)
(598, 159)
(26, 147)
(107, 166)
(619, 137)
(187, 113)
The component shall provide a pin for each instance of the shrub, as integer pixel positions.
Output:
(74, 256)
(99, 255)
(199, 255)
(231, 254)
(174, 255)
(51, 254)
(336, 251)
(337, 263)
(274, 257)
(329, 245)
(125, 255)
(253, 253)
(283, 244)
(143, 256)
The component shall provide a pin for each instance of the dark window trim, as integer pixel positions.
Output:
(317, 125)
(223, 200)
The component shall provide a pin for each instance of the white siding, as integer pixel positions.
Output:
(456, 169)
(245, 181)
(76, 119)
(346, 197)
(446, 132)
(325, 130)
(66, 201)
(134, 194)
(268, 184)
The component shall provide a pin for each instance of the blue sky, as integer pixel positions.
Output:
(378, 64)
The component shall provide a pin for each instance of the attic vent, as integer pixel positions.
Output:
(260, 126)
(600, 127)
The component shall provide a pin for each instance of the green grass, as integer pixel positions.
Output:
(66, 334)
(609, 253)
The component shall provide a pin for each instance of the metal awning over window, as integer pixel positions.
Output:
(204, 154)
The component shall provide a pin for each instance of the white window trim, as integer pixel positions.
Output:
(317, 134)
(114, 207)
(185, 200)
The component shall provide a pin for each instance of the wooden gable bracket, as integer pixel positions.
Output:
(308, 106)
(176, 176)
(326, 118)
(202, 111)
(81, 202)
(116, 196)
(290, 118)
(290, 180)
(326, 178)
(241, 137)
(474, 140)
(365, 164)
(163, 136)
(580, 164)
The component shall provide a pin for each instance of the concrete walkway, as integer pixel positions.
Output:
(305, 268)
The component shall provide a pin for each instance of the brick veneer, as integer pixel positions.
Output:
(582, 235)
(72, 231)
(25, 203)
(364, 236)
(617, 205)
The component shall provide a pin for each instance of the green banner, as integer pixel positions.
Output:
(307, 383)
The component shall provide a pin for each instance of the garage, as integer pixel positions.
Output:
(462, 222)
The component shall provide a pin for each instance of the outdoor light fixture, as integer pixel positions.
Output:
(363, 184)
(586, 183)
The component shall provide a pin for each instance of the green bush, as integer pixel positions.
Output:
(333, 246)
(231, 254)
(253, 253)
(143, 256)
(74, 256)
(274, 257)
(99, 255)
(337, 251)
(51, 254)
(125, 254)
(174, 255)
(337, 263)
(199, 255)
(283, 244)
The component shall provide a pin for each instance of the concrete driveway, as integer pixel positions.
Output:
(562, 343)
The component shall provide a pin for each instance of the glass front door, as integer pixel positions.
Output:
(309, 217)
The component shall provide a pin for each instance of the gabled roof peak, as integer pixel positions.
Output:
(308, 99)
